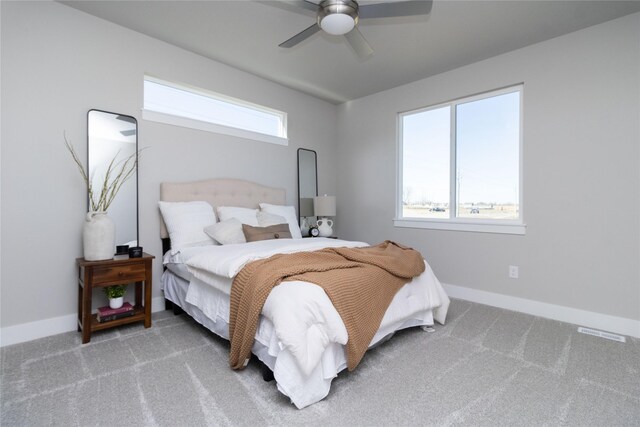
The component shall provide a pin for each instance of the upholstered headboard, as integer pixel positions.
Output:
(220, 192)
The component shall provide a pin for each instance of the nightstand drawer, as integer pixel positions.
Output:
(119, 274)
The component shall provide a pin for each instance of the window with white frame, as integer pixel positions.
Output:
(460, 164)
(186, 106)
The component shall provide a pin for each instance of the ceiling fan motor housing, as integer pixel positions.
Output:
(338, 16)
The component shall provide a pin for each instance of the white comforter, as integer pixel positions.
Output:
(305, 321)
(304, 318)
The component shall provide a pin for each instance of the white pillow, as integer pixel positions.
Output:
(186, 221)
(288, 213)
(266, 219)
(226, 232)
(244, 215)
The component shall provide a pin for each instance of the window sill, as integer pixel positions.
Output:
(477, 227)
(170, 119)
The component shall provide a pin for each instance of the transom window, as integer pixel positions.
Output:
(181, 105)
(460, 164)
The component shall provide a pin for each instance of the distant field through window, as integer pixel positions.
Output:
(185, 106)
(460, 164)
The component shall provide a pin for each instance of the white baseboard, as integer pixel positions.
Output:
(604, 322)
(57, 325)
(43, 328)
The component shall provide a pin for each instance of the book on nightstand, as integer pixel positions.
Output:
(115, 316)
(107, 313)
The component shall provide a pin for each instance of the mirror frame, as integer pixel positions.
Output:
(315, 163)
(135, 121)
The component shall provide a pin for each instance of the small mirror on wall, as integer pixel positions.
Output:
(114, 137)
(307, 188)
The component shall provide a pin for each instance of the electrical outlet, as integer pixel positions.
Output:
(514, 271)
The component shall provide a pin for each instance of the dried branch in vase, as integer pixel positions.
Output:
(117, 173)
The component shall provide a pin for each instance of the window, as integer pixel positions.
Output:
(459, 164)
(200, 109)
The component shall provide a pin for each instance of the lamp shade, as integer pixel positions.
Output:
(306, 206)
(324, 205)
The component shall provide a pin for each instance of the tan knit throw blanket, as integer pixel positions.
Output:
(360, 282)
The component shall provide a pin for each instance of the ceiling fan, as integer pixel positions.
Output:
(340, 17)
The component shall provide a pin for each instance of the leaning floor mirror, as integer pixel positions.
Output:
(307, 188)
(114, 137)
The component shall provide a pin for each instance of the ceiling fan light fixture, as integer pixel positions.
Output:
(338, 17)
(337, 24)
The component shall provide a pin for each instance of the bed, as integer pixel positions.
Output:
(300, 337)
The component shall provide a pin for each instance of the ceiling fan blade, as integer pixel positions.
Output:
(402, 8)
(301, 36)
(359, 43)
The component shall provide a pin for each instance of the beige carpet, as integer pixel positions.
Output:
(485, 367)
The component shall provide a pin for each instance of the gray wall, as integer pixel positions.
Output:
(581, 151)
(581, 173)
(57, 63)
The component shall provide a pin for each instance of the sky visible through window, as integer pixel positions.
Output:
(426, 156)
(487, 154)
(488, 150)
(178, 102)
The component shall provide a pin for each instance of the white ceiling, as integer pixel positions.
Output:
(245, 34)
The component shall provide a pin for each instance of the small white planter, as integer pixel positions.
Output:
(116, 302)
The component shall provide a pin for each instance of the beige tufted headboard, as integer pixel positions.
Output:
(220, 192)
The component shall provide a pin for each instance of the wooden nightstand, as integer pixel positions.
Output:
(117, 271)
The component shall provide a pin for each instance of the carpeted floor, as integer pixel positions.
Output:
(487, 366)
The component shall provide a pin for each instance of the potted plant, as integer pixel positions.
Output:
(115, 293)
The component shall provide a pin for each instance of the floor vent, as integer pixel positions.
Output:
(602, 334)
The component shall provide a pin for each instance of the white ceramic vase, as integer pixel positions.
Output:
(98, 237)
(304, 227)
(116, 302)
(324, 227)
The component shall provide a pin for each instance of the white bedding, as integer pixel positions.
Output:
(301, 335)
(228, 260)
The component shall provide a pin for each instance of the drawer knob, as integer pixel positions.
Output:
(121, 273)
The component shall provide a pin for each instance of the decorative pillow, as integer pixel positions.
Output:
(278, 231)
(226, 232)
(186, 221)
(289, 213)
(266, 219)
(244, 215)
